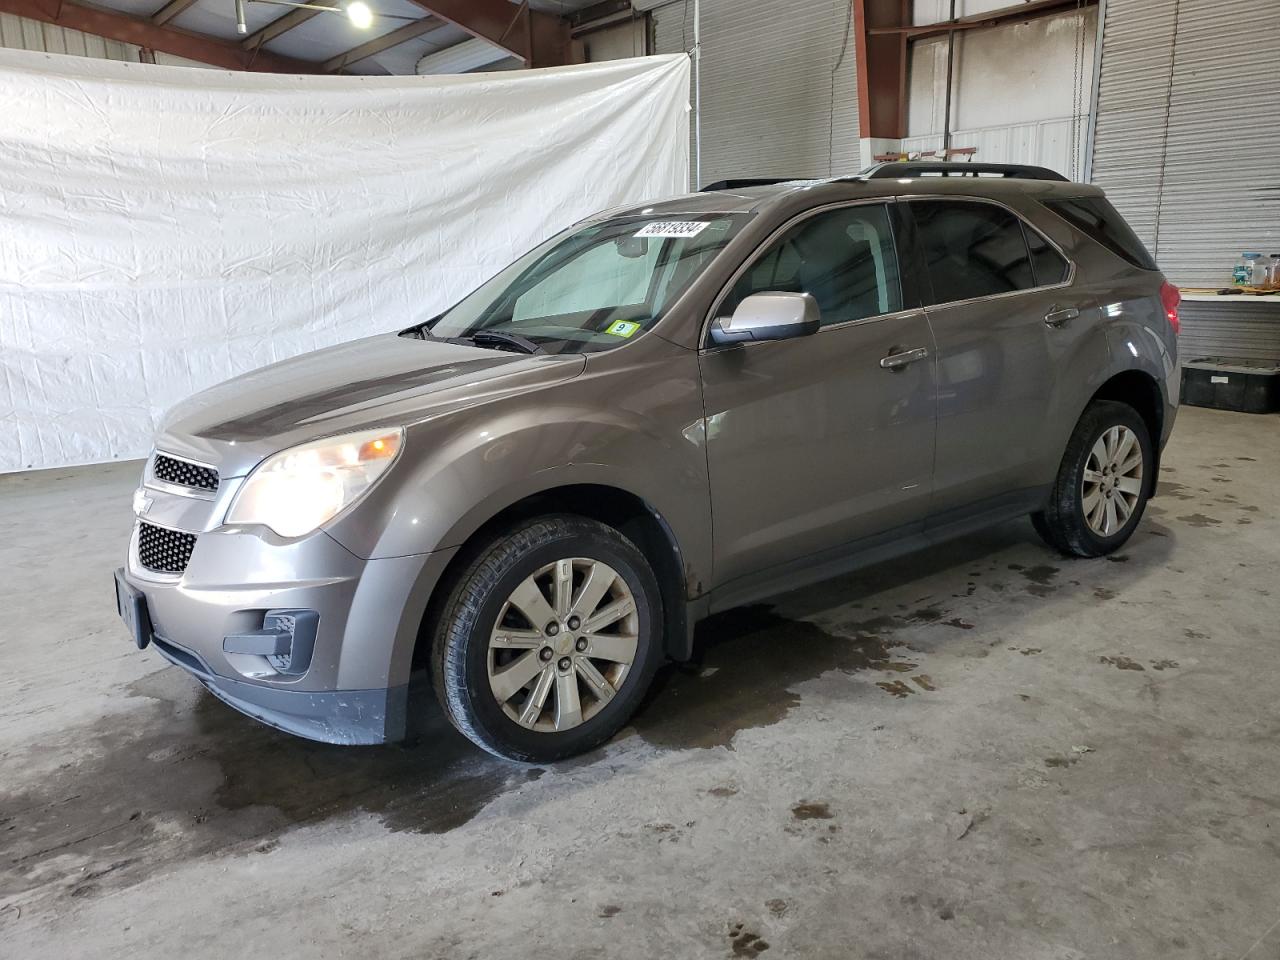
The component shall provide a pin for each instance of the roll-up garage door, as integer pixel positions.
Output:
(779, 85)
(1188, 117)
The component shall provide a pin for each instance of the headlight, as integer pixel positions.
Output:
(298, 489)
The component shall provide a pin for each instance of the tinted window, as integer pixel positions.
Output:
(1050, 266)
(844, 258)
(1098, 219)
(972, 249)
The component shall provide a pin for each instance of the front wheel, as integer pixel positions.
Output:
(548, 640)
(1103, 483)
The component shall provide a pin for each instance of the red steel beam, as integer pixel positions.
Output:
(539, 39)
(881, 54)
(144, 33)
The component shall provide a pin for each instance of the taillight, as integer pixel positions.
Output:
(1171, 297)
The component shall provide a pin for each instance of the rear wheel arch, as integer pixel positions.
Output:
(1139, 390)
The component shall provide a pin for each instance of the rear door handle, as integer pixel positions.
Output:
(896, 361)
(1058, 318)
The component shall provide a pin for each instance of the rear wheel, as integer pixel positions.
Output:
(549, 639)
(1103, 483)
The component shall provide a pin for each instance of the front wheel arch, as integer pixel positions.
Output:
(626, 512)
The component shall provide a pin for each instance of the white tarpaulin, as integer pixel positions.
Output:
(163, 229)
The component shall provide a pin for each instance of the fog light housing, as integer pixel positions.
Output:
(286, 640)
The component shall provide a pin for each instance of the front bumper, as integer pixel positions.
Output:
(332, 716)
(368, 613)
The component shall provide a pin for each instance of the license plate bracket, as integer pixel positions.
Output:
(131, 604)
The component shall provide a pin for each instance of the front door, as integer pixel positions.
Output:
(812, 443)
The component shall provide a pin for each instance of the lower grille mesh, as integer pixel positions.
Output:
(164, 550)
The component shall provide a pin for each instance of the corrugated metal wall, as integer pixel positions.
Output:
(777, 99)
(23, 34)
(1248, 330)
(1133, 97)
(1189, 107)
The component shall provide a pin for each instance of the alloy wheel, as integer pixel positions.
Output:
(1112, 485)
(563, 644)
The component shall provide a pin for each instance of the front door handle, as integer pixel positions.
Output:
(896, 361)
(1058, 318)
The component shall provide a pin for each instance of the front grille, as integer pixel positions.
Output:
(164, 550)
(183, 473)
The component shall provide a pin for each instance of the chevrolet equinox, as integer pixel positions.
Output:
(664, 411)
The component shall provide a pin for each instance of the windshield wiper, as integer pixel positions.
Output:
(500, 339)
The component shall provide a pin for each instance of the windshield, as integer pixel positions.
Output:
(591, 288)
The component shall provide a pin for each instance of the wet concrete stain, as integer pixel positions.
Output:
(1041, 574)
(757, 655)
(806, 810)
(1194, 634)
(1039, 578)
(170, 782)
(1164, 664)
(723, 792)
(1122, 663)
(1104, 593)
(1200, 520)
(609, 910)
(1171, 488)
(1060, 761)
(895, 688)
(746, 943)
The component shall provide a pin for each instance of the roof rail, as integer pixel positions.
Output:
(920, 168)
(742, 184)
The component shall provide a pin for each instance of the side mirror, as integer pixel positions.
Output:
(768, 316)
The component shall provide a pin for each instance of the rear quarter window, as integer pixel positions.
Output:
(1098, 219)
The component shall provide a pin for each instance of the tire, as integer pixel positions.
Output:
(487, 628)
(1064, 524)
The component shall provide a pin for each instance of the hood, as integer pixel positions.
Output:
(387, 380)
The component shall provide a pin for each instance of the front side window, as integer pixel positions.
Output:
(845, 258)
(972, 249)
(593, 287)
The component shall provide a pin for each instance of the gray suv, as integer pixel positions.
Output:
(665, 411)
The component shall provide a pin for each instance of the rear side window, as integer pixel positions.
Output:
(1050, 266)
(972, 249)
(1098, 219)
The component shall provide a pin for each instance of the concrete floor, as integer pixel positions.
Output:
(986, 751)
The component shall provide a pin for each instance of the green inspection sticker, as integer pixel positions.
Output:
(622, 328)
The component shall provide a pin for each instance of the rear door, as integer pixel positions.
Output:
(812, 443)
(995, 292)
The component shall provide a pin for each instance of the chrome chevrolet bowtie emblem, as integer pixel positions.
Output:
(141, 503)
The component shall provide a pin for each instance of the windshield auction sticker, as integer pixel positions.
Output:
(673, 228)
(622, 328)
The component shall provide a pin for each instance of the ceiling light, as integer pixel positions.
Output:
(360, 15)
